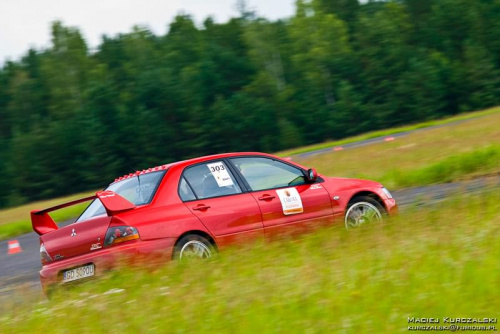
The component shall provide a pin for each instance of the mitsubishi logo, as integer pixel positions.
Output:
(73, 233)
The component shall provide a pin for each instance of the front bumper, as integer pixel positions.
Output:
(391, 206)
(109, 258)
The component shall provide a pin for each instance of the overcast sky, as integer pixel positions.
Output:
(26, 23)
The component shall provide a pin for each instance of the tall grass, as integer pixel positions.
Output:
(439, 261)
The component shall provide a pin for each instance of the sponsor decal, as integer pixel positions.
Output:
(96, 246)
(73, 233)
(315, 186)
(290, 201)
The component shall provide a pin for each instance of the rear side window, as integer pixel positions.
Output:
(185, 191)
(138, 189)
(212, 179)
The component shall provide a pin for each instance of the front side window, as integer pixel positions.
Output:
(211, 180)
(138, 189)
(265, 173)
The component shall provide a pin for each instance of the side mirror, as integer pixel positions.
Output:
(312, 175)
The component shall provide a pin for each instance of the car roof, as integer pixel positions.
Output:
(189, 162)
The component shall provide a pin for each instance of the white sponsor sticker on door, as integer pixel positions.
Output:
(220, 174)
(290, 201)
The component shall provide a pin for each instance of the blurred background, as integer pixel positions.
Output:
(74, 116)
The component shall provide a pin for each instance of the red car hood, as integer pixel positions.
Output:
(341, 183)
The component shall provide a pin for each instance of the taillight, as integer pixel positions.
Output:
(44, 255)
(118, 234)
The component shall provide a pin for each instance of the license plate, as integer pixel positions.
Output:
(78, 273)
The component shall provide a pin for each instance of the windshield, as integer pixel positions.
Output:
(139, 190)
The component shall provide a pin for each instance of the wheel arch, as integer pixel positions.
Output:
(368, 194)
(199, 233)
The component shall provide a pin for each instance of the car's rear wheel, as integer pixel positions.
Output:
(363, 210)
(193, 246)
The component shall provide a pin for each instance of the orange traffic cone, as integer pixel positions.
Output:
(14, 247)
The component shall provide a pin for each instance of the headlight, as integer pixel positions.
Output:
(387, 192)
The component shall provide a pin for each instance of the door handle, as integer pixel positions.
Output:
(266, 197)
(201, 207)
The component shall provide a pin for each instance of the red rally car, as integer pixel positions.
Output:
(195, 207)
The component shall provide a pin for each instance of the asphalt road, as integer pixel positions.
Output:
(21, 269)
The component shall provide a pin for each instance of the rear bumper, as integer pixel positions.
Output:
(107, 258)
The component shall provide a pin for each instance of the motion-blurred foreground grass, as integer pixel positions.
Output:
(439, 261)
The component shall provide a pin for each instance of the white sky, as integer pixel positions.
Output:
(26, 23)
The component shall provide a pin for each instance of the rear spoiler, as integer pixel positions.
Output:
(112, 202)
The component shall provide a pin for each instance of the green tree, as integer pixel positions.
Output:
(481, 78)
(382, 44)
(321, 53)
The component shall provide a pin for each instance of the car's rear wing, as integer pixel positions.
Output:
(112, 202)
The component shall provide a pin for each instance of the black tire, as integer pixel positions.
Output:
(193, 246)
(375, 212)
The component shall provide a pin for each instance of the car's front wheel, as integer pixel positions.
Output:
(363, 210)
(193, 246)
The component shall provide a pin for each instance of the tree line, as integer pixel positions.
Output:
(72, 119)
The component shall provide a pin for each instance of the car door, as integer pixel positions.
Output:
(287, 202)
(212, 193)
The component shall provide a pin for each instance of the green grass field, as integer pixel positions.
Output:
(439, 261)
(455, 152)
(433, 261)
(389, 132)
